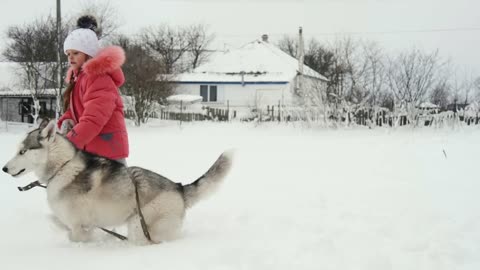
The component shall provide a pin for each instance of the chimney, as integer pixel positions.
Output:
(265, 38)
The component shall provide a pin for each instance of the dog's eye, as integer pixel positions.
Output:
(23, 151)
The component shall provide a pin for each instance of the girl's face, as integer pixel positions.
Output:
(76, 58)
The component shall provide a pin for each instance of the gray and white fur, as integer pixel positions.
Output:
(86, 191)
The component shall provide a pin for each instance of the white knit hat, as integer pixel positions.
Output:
(83, 40)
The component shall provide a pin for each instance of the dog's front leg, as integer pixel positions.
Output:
(80, 233)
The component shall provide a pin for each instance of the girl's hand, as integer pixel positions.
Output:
(67, 125)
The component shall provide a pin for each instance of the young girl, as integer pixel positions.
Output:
(93, 106)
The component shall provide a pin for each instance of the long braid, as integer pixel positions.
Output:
(70, 86)
(67, 93)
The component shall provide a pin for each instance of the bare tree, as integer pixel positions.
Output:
(386, 100)
(358, 77)
(374, 75)
(33, 47)
(467, 87)
(342, 80)
(367, 76)
(440, 94)
(145, 79)
(169, 44)
(411, 76)
(476, 90)
(319, 58)
(462, 87)
(363, 71)
(325, 60)
(289, 45)
(198, 39)
(354, 72)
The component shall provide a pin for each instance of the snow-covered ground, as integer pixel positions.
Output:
(295, 199)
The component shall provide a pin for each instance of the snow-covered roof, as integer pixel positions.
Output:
(184, 99)
(234, 78)
(428, 105)
(257, 61)
(26, 92)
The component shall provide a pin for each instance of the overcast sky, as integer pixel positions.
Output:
(451, 26)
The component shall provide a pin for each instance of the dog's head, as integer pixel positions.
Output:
(32, 151)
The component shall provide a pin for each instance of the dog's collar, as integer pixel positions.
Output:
(38, 183)
(31, 185)
(55, 174)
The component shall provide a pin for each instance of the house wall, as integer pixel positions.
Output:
(248, 95)
(314, 85)
(314, 88)
(9, 110)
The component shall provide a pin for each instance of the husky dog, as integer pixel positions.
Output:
(86, 191)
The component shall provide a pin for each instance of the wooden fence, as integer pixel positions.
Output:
(384, 118)
(210, 114)
(367, 117)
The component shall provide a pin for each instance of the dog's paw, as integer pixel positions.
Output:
(80, 235)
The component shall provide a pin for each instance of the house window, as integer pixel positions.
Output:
(204, 92)
(213, 93)
(208, 93)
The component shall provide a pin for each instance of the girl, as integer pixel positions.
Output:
(93, 118)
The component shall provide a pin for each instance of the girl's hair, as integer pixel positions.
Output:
(67, 93)
(70, 86)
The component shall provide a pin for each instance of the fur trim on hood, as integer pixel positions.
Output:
(106, 61)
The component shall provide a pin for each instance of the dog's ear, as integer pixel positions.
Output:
(43, 122)
(49, 131)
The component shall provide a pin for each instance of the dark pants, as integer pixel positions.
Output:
(122, 160)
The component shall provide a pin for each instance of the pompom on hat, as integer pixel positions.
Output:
(84, 38)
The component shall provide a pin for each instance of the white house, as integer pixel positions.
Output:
(256, 74)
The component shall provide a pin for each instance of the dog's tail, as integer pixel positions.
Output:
(210, 181)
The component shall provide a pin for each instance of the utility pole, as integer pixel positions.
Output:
(59, 63)
(301, 57)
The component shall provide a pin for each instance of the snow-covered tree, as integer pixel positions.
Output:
(411, 75)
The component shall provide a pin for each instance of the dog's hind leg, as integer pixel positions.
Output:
(135, 232)
(164, 217)
(79, 233)
(166, 228)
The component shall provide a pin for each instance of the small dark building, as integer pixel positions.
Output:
(454, 107)
(17, 105)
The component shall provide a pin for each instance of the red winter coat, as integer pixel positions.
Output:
(96, 106)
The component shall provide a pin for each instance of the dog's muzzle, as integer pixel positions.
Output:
(20, 172)
(6, 170)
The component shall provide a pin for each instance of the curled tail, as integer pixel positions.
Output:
(209, 182)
